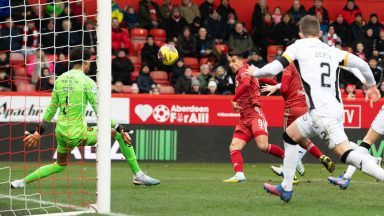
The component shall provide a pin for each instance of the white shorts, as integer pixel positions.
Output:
(330, 130)
(378, 124)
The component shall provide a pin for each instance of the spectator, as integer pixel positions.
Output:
(286, 30)
(189, 10)
(225, 9)
(332, 37)
(35, 64)
(5, 62)
(76, 9)
(48, 37)
(230, 25)
(318, 8)
(375, 25)
(67, 38)
(212, 87)
(4, 11)
(350, 92)
(131, 17)
(120, 39)
(144, 80)
(276, 16)
(61, 66)
(149, 54)
(205, 9)
(204, 76)
(368, 42)
(358, 28)
(175, 25)
(117, 12)
(195, 26)
(149, 14)
(376, 70)
(166, 9)
(90, 36)
(31, 38)
(240, 40)
(297, 11)
(263, 35)
(184, 83)
(225, 83)
(204, 44)
(215, 26)
(360, 52)
(67, 15)
(196, 90)
(47, 81)
(54, 8)
(258, 13)
(135, 88)
(11, 37)
(343, 30)
(5, 82)
(177, 71)
(256, 60)
(118, 87)
(122, 68)
(349, 11)
(382, 89)
(186, 43)
(323, 26)
(379, 44)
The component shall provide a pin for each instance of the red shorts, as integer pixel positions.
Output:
(292, 113)
(252, 124)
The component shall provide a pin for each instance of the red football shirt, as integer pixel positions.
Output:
(291, 88)
(247, 92)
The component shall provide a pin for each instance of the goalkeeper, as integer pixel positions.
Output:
(71, 94)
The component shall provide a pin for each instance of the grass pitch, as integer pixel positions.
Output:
(197, 189)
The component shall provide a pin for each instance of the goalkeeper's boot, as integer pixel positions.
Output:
(142, 179)
(238, 177)
(18, 184)
(279, 171)
(278, 191)
(341, 181)
(300, 168)
(328, 163)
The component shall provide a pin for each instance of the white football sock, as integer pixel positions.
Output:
(366, 164)
(289, 168)
(302, 152)
(351, 169)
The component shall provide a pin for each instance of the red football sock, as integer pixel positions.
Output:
(314, 150)
(275, 151)
(237, 160)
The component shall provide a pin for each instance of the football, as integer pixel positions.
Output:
(168, 54)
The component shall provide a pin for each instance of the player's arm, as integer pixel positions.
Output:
(33, 136)
(356, 73)
(91, 93)
(269, 81)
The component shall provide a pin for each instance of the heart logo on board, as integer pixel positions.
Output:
(143, 111)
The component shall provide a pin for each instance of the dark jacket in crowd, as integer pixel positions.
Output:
(63, 39)
(313, 10)
(205, 8)
(5, 39)
(224, 11)
(149, 56)
(375, 27)
(241, 42)
(378, 74)
(358, 31)
(285, 32)
(61, 67)
(257, 15)
(344, 31)
(121, 70)
(176, 73)
(203, 45)
(216, 28)
(144, 14)
(297, 14)
(144, 82)
(186, 46)
(225, 84)
(183, 85)
(368, 44)
(174, 27)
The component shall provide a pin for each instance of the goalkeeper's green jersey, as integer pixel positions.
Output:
(72, 92)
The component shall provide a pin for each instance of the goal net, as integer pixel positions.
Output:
(36, 37)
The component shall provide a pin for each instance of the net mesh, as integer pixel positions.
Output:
(35, 39)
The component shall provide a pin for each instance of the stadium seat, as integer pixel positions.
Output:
(159, 43)
(134, 75)
(160, 77)
(191, 62)
(17, 59)
(222, 48)
(19, 70)
(158, 34)
(203, 61)
(271, 52)
(26, 88)
(127, 89)
(195, 73)
(139, 34)
(137, 47)
(167, 90)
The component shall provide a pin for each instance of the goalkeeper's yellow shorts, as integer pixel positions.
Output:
(66, 144)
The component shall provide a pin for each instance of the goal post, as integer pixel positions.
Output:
(104, 107)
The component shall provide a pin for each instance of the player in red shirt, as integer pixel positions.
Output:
(295, 106)
(252, 121)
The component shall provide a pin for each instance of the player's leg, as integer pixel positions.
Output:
(240, 138)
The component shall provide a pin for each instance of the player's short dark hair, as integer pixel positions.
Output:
(309, 25)
(79, 54)
(236, 53)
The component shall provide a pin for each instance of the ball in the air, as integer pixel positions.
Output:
(168, 54)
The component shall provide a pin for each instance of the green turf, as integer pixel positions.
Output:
(196, 189)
